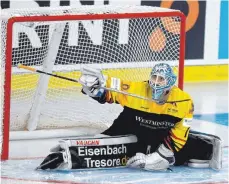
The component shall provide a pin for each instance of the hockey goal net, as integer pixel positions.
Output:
(123, 42)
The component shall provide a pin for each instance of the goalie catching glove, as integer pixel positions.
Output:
(159, 160)
(92, 80)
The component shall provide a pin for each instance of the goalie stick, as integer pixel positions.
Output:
(77, 81)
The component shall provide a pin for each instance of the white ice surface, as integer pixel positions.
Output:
(24, 169)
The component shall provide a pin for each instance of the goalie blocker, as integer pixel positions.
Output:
(90, 152)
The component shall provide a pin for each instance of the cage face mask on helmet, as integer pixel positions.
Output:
(162, 78)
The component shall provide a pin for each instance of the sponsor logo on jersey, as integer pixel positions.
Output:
(154, 124)
(125, 86)
(192, 109)
(187, 122)
(171, 110)
(174, 104)
(144, 107)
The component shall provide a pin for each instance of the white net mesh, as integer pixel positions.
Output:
(126, 48)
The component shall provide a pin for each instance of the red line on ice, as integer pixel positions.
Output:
(48, 181)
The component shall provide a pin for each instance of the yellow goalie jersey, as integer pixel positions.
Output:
(152, 123)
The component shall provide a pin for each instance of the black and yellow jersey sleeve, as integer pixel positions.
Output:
(138, 88)
(178, 135)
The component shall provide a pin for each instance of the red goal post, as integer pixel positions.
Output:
(166, 26)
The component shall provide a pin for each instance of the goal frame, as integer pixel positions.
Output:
(8, 54)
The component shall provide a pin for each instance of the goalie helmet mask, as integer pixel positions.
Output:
(162, 78)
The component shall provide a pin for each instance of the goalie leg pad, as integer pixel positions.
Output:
(215, 160)
(90, 152)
